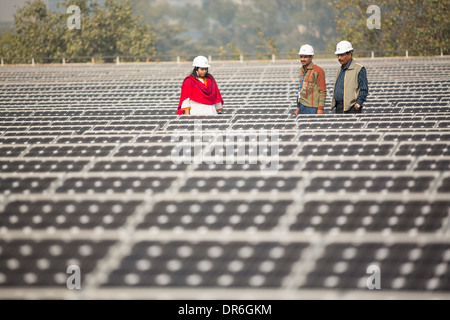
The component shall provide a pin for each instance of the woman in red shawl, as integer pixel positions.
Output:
(199, 92)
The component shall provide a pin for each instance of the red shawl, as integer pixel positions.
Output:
(196, 91)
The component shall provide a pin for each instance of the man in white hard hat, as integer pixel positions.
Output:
(313, 89)
(200, 94)
(351, 87)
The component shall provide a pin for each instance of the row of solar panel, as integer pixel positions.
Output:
(310, 164)
(235, 97)
(347, 216)
(259, 79)
(112, 136)
(285, 136)
(332, 183)
(183, 264)
(47, 92)
(440, 99)
(239, 116)
(251, 71)
(284, 164)
(281, 125)
(189, 148)
(284, 108)
(71, 87)
(119, 113)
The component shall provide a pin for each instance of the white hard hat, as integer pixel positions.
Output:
(343, 47)
(306, 50)
(201, 62)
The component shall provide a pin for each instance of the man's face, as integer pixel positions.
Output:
(202, 72)
(306, 60)
(344, 58)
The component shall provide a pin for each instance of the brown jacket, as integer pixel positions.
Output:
(314, 89)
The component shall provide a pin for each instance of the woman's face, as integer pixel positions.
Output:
(202, 72)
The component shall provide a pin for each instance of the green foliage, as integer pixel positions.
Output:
(224, 28)
(235, 52)
(106, 31)
(109, 31)
(266, 46)
(168, 28)
(419, 26)
(286, 24)
(37, 34)
(6, 28)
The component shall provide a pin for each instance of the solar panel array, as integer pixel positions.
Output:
(88, 178)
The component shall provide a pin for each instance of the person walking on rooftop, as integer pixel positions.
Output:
(351, 86)
(200, 94)
(313, 90)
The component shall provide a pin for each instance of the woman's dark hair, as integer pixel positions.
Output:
(194, 72)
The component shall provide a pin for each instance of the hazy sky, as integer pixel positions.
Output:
(9, 7)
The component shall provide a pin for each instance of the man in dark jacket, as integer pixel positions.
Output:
(351, 87)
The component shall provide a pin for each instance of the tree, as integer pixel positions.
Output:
(288, 22)
(266, 45)
(207, 27)
(165, 22)
(110, 30)
(38, 34)
(419, 26)
(106, 31)
(235, 52)
(7, 43)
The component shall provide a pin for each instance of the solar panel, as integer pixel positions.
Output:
(30, 263)
(341, 266)
(372, 216)
(232, 265)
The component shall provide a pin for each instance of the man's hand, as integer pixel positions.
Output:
(357, 106)
(296, 112)
(320, 110)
